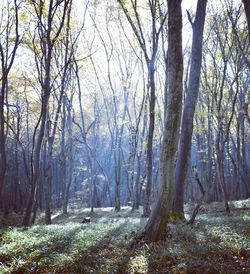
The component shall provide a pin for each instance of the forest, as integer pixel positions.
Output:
(124, 136)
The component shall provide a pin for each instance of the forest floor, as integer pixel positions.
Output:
(216, 243)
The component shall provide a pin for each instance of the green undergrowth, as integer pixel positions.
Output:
(216, 243)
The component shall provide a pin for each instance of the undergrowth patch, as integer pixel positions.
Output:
(216, 243)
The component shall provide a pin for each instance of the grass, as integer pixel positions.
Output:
(216, 243)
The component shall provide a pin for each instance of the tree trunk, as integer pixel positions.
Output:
(219, 163)
(36, 159)
(137, 187)
(198, 205)
(147, 201)
(209, 175)
(69, 165)
(35, 162)
(118, 153)
(136, 194)
(189, 109)
(46, 31)
(48, 180)
(7, 56)
(2, 146)
(157, 224)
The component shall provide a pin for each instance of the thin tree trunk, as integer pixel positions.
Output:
(209, 175)
(136, 200)
(7, 59)
(147, 201)
(48, 179)
(63, 158)
(189, 109)
(219, 163)
(2, 146)
(197, 207)
(46, 31)
(68, 179)
(36, 160)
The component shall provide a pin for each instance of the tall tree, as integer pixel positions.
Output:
(9, 41)
(47, 31)
(189, 107)
(65, 52)
(150, 55)
(157, 224)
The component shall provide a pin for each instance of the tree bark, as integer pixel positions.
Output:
(157, 224)
(219, 163)
(151, 76)
(2, 142)
(189, 109)
(63, 157)
(48, 179)
(69, 166)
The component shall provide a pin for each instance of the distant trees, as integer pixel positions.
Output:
(219, 105)
(92, 92)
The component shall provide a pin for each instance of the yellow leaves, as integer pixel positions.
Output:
(24, 18)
